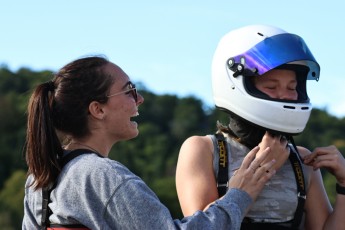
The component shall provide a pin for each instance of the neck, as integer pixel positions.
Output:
(75, 145)
(247, 133)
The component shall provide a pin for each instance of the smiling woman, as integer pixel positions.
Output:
(91, 102)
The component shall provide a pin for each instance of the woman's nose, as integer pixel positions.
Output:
(288, 94)
(140, 99)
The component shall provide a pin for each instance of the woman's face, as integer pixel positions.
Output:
(278, 84)
(122, 107)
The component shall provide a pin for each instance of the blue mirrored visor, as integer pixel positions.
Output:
(278, 50)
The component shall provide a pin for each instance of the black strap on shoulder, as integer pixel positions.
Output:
(295, 160)
(222, 177)
(46, 212)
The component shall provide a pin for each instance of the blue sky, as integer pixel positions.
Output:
(168, 45)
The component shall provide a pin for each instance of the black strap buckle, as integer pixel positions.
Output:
(302, 195)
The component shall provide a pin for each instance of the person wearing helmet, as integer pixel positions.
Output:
(259, 76)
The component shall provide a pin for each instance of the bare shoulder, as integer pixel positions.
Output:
(196, 146)
(303, 151)
(198, 142)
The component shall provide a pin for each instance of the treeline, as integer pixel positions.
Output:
(165, 121)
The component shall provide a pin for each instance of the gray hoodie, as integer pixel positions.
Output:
(101, 193)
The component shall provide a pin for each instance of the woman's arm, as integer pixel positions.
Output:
(318, 209)
(195, 179)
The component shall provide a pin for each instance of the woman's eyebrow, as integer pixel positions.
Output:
(126, 84)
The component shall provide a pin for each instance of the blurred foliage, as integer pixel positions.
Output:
(165, 121)
(11, 201)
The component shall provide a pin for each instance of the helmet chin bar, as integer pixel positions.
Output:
(271, 131)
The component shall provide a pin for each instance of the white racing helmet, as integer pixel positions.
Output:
(250, 52)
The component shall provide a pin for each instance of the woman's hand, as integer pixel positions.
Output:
(253, 173)
(279, 149)
(329, 158)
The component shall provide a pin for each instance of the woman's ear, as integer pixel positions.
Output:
(96, 110)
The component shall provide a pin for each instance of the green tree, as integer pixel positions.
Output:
(11, 201)
(189, 118)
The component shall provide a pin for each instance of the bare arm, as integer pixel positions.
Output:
(195, 180)
(317, 205)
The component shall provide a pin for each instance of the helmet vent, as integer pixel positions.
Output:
(293, 107)
(289, 107)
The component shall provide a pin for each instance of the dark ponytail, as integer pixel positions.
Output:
(43, 147)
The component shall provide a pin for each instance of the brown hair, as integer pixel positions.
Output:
(62, 105)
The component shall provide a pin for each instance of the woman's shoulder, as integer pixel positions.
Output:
(93, 166)
(196, 151)
(197, 144)
(303, 151)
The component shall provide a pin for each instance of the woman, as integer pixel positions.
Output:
(90, 103)
(259, 76)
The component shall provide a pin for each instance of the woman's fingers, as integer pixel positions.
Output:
(321, 154)
(265, 171)
(279, 148)
(253, 163)
(311, 158)
(329, 158)
(250, 157)
(253, 173)
(253, 181)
